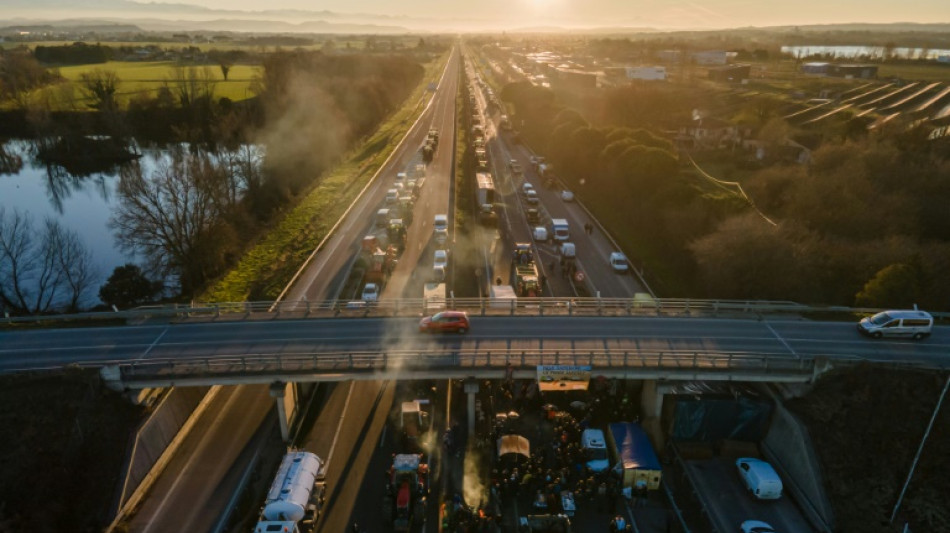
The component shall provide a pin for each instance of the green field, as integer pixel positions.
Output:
(137, 78)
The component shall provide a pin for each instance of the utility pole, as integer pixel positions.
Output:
(920, 449)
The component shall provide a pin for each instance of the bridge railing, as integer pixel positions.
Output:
(409, 361)
(409, 307)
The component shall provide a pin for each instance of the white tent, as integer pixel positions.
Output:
(514, 444)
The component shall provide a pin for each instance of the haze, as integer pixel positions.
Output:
(654, 13)
(436, 15)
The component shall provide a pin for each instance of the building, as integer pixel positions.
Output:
(820, 69)
(731, 73)
(646, 73)
(711, 57)
(668, 56)
(840, 71)
(707, 132)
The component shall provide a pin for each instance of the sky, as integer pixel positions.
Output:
(653, 13)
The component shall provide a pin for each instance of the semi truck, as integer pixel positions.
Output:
(632, 455)
(485, 193)
(296, 495)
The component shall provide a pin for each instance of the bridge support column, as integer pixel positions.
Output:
(471, 389)
(278, 391)
(651, 406)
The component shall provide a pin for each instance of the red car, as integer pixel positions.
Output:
(456, 321)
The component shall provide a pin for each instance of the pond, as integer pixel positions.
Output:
(856, 52)
(82, 204)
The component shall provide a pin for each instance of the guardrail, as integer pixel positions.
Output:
(373, 363)
(474, 306)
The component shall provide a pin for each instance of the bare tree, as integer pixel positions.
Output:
(173, 217)
(76, 268)
(41, 269)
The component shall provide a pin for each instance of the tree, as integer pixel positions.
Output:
(896, 285)
(101, 86)
(41, 269)
(174, 217)
(128, 286)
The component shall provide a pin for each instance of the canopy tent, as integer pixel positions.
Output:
(514, 444)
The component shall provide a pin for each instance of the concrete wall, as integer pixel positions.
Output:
(157, 432)
(788, 446)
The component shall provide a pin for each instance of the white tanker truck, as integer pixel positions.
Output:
(295, 497)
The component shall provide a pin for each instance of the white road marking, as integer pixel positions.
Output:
(779, 337)
(150, 346)
(339, 425)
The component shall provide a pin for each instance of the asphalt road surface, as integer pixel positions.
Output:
(23, 350)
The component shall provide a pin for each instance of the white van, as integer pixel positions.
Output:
(595, 450)
(759, 478)
(913, 324)
(441, 228)
(541, 234)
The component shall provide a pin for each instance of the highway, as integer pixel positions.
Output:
(206, 472)
(26, 350)
(593, 251)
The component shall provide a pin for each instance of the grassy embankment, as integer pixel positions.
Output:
(270, 263)
(137, 78)
(465, 282)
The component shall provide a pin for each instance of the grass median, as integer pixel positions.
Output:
(269, 265)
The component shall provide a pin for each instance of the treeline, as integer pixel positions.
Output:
(74, 54)
(865, 224)
(21, 73)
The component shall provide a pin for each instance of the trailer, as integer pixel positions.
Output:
(296, 495)
(633, 456)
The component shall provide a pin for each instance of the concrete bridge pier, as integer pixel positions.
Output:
(471, 389)
(286, 406)
(651, 407)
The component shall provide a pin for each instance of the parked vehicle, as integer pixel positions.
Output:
(619, 263)
(295, 496)
(759, 478)
(440, 227)
(561, 229)
(456, 321)
(914, 324)
(541, 234)
(595, 450)
(370, 292)
(405, 497)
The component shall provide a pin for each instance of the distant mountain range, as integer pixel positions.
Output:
(120, 16)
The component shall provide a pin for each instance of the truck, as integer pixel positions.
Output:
(296, 495)
(632, 455)
(485, 192)
(524, 271)
(414, 422)
(434, 297)
(561, 229)
(405, 499)
(502, 296)
(567, 254)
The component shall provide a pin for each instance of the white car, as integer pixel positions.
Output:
(532, 197)
(441, 259)
(756, 526)
(392, 196)
(619, 262)
(526, 186)
(567, 196)
(370, 293)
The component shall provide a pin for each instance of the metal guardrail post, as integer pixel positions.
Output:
(217, 311)
(570, 308)
(541, 308)
(308, 307)
(482, 303)
(512, 313)
(686, 309)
